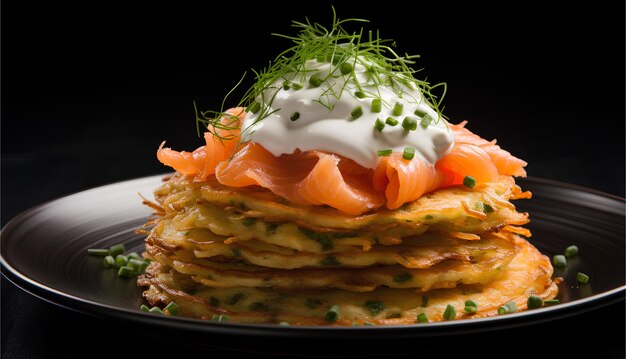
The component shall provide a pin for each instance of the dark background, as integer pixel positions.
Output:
(90, 91)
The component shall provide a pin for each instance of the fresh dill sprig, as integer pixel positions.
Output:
(339, 47)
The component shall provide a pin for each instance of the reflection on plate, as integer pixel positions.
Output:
(44, 252)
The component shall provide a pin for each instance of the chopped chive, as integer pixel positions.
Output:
(471, 303)
(220, 318)
(134, 255)
(254, 107)
(283, 324)
(559, 261)
(296, 86)
(144, 308)
(422, 318)
(534, 302)
(487, 208)
(108, 262)
(117, 249)
(121, 260)
(97, 252)
(551, 302)
(315, 81)
(125, 272)
(286, 86)
(270, 228)
(330, 261)
(136, 264)
(312, 303)
(172, 308)
(424, 301)
(385, 152)
(333, 314)
(469, 181)
(379, 125)
(235, 298)
(571, 251)
(512, 306)
(142, 267)
(375, 306)
(258, 307)
(356, 112)
(214, 301)
(582, 278)
(502, 310)
(369, 324)
(470, 310)
(449, 313)
(408, 153)
(360, 94)
(295, 116)
(397, 109)
(391, 121)
(236, 252)
(376, 105)
(409, 123)
(345, 68)
(249, 221)
(401, 278)
(419, 112)
(426, 120)
(156, 310)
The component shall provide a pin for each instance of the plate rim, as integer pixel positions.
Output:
(93, 308)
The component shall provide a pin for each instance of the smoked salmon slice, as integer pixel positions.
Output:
(310, 178)
(320, 178)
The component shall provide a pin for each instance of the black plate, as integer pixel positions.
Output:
(43, 251)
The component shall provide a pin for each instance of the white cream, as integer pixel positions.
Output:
(325, 122)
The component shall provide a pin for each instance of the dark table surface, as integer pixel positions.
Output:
(87, 99)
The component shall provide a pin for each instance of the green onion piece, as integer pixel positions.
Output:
(315, 81)
(357, 112)
(142, 267)
(125, 272)
(424, 301)
(470, 309)
(409, 123)
(144, 308)
(419, 112)
(408, 153)
(360, 94)
(401, 278)
(133, 255)
(559, 261)
(214, 301)
(235, 298)
(376, 105)
(551, 302)
(449, 313)
(369, 324)
(117, 249)
(156, 310)
(512, 306)
(391, 121)
(582, 278)
(98, 252)
(296, 86)
(295, 116)
(471, 303)
(345, 68)
(487, 208)
(422, 318)
(254, 107)
(379, 125)
(286, 86)
(469, 181)
(375, 306)
(333, 314)
(502, 310)
(283, 324)
(220, 318)
(385, 152)
(426, 120)
(534, 302)
(121, 260)
(108, 262)
(571, 251)
(249, 221)
(136, 264)
(397, 109)
(172, 308)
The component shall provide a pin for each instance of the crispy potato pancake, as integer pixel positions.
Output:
(528, 273)
(413, 252)
(482, 268)
(482, 209)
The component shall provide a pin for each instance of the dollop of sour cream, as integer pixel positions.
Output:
(300, 115)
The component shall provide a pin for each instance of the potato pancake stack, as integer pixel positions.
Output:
(248, 255)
